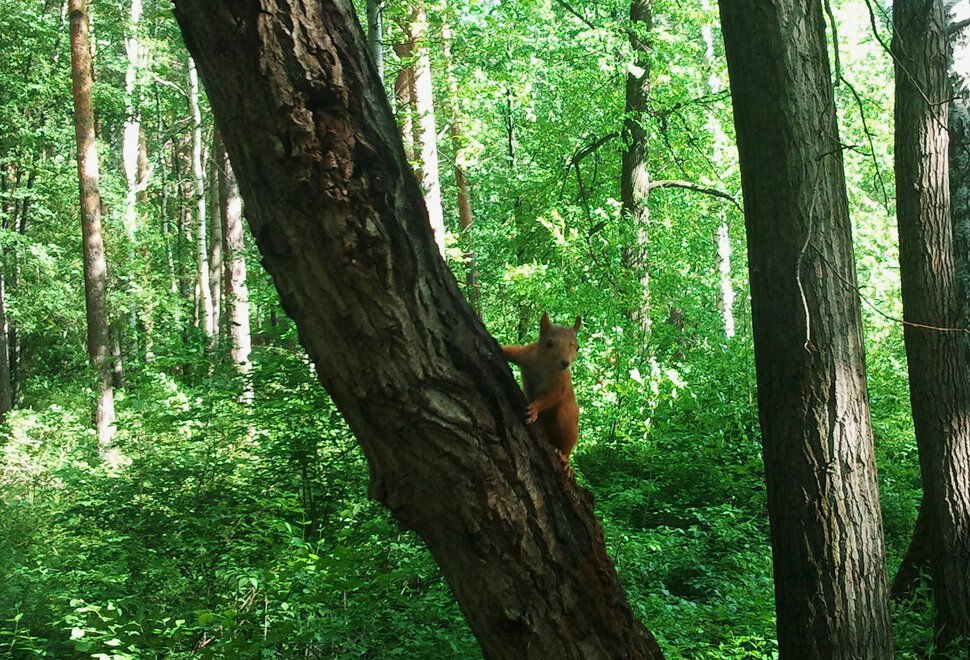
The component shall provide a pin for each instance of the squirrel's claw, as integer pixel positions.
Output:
(531, 414)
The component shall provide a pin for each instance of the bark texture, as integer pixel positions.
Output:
(936, 349)
(340, 222)
(826, 528)
(95, 267)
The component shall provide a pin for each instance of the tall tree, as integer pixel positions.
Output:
(375, 35)
(237, 292)
(635, 170)
(426, 132)
(131, 140)
(203, 290)
(725, 299)
(404, 93)
(343, 231)
(95, 267)
(461, 180)
(936, 351)
(216, 242)
(823, 505)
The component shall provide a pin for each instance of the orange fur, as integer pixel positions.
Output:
(547, 383)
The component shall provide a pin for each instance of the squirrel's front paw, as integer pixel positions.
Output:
(531, 414)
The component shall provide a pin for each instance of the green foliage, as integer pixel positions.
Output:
(245, 531)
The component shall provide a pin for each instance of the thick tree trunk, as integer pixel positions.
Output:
(936, 350)
(341, 224)
(203, 291)
(635, 171)
(823, 501)
(95, 268)
(237, 292)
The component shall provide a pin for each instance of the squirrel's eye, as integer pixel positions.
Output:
(548, 343)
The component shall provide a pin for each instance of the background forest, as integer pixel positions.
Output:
(229, 515)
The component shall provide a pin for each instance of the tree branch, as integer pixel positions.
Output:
(696, 187)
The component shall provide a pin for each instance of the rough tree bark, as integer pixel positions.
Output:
(936, 350)
(340, 221)
(635, 172)
(823, 502)
(95, 268)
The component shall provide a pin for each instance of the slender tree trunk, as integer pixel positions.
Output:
(426, 131)
(404, 95)
(959, 70)
(130, 149)
(95, 268)
(635, 172)
(936, 350)
(204, 292)
(823, 501)
(9, 210)
(725, 300)
(237, 292)
(461, 182)
(375, 35)
(344, 233)
(216, 242)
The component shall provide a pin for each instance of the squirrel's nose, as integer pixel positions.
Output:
(565, 363)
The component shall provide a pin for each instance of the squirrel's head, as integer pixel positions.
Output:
(557, 344)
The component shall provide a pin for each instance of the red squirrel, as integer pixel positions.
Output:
(547, 383)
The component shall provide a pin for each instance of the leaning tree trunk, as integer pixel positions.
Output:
(95, 268)
(936, 350)
(341, 224)
(823, 501)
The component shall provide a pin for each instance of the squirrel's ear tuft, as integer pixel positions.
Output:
(544, 323)
(578, 324)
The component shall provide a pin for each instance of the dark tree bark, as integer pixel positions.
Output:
(95, 268)
(823, 503)
(340, 221)
(936, 350)
(635, 172)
